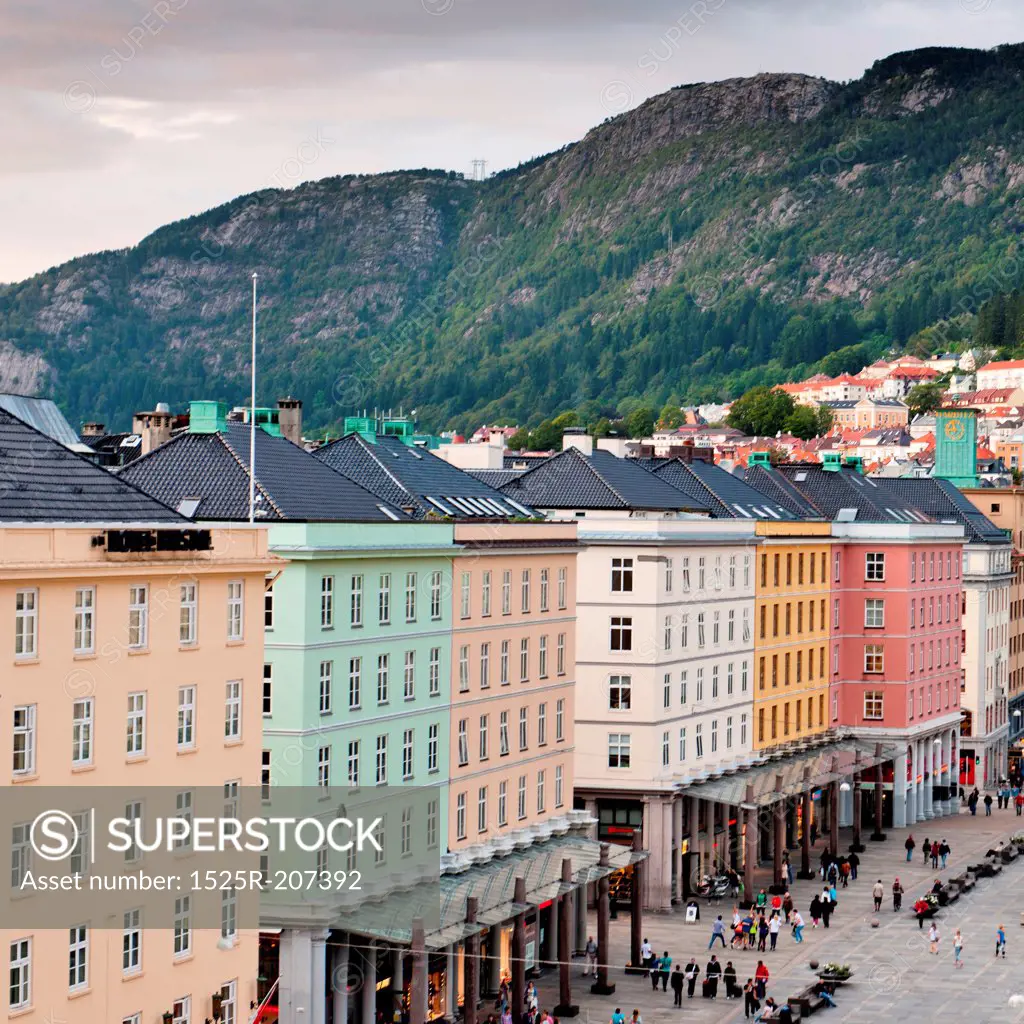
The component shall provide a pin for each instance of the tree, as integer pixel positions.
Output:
(640, 422)
(519, 441)
(826, 417)
(925, 398)
(671, 415)
(762, 411)
(803, 422)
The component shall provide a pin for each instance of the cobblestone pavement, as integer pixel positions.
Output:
(895, 976)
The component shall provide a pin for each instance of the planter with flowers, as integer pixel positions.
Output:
(835, 974)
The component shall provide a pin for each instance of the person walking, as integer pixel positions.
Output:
(877, 892)
(815, 910)
(691, 972)
(712, 973)
(591, 951)
(936, 846)
(677, 986)
(655, 972)
(773, 930)
(972, 802)
(1018, 802)
(664, 967)
(897, 895)
(761, 976)
(750, 1001)
(909, 845)
(787, 906)
(926, 850)
(944, 851)
(798, 927)
(933, 939)
(646, 953)
(732, 989)
(752, 932)
(854, 864)
(762, 934)
(844, 873)
(618, 1017)
(988, 805)
(826, 907)
(717, 932)
(1001, 942)
(958, 948)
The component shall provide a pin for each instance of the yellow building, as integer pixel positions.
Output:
(791, 631)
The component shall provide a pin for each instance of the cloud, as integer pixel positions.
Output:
(161, 108)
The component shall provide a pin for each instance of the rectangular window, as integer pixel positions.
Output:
(835, 614)
(236, 610)
(714, 734)
(352, 764)
(559, 786)
(682, 744)
(874, 661)
(503, 746)
(481, 809)
(326, 686)
(622, 575)
(26, 624)
(542, 657)
(524, 590)
(85, 620)
(407, 754)
(483, 737)
(503, 664)
(78, 958)
(668, 575)
(746, 625)
(432, 748)
(874, 565)
(730, 632)
(874, 613)
(384, 599)
(435, 595)
(465, 595)
(186, 718)
(182, 926)
(524, 659)
(521, 797)
(20, 974)
(700, 685)
(410, 597)
(502, 803)
(620, 693)
(714, 681)
(873, 704)
(541, 799)
(618, 750)
(81, 731)
(560, 720)
(323, 768)
(228, 914)
(355, 682)
(560, 655)
(506, 592)
(715, 633)
(131, 942)
(700, 629)
(667, 634)
(434, 672)
(383, 677)
(544, 590)
(460, 816)
(409, 676)
(381, 765)
(542, 724)
(485, 593)
(524, 728)
(268, 604)
(665, 749)
(836, 569)
(699, 740)
(136, 725)
(463, 741)
(327, 602)
(700, 574)
(561, 588)
(138, 617)
(686, 575)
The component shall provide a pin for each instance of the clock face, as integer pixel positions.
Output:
(955, 430)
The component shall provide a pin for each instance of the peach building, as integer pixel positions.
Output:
(132, 647)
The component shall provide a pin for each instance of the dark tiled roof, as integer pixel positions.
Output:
(945, 503)
(41, 414)
(290, 483)
(777, 487)
(600, 480)
(115, 449)
(410, 477)
(42, 481)
(834, 495)
(496, 478)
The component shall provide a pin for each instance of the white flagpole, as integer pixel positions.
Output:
(252, 414)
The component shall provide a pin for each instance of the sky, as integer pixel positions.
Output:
(119, 116)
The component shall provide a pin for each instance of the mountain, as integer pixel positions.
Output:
(717, 236)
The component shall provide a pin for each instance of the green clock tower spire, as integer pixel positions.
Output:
(956, 446)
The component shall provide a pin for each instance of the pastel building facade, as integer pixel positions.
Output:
(130, 670)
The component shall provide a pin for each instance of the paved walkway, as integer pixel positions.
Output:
(895, 977)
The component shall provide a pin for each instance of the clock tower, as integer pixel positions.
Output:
(956, 446)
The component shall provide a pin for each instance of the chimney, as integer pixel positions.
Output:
(289, 419)
(578, 438)
(153, 427)
(93, 429)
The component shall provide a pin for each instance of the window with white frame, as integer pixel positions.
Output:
(181, 1010)
(873, 705)
(19, 990)
(81, 731)
(434, 672)
(78, 958)
(435, 596)
(743, 730)
(521, 797)
(699, 739)
(685, 572)
(622, 575)
(26, 624)
(131, 942)
(228, 914)
(481, 809)
(187, 614)
(541, 798)
(718, 572)
(136, 725)
(732, 572)
(409, 676)
(730, 631)
(506, 592)
(381, 764)
(728, 732)
(700, 629)
(666, 642)
(542, 657)
(544, 590)
(233, 706)
(874, 613)
(485, 593)
(229, 1002)
(524, 659)
(484, 737)
(21, 853)
(666, 747)
(524, 591)
(524, 728)
(268, 689)
(714, 735)
(460, 816)
(503, 663)
(465, 595)
(236, 609)
(352, 764)
(327, 602)
(410, 597)
(682, 744)
(560, 654)
(502, 803)
(268, 605)
(383, 677)
(560, 720)
(85, 620)
(618, 749)
(715, 627)
(355, 682)
(503, 746)
(355, 601)
(384, 599)
(621, 633)
(407, 754)
(874, 659)
(562, 574)
(700, 685)
(138, 617)
(326, 687)
(874, 565)
(542, 724)
(186, 718)
(620, 693)
(464, 668)
(714, 682)
(683, 678)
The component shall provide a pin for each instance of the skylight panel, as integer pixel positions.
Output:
(494, 506)
(519, 508)
(800, 477)
(846, 515)
(477, 507)
(441, 505)
(772, 512)
(742, 511)
(389, 513)
(460, 504)
(187, 507)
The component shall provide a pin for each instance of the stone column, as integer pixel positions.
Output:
(833, 813)
(677, 847)
(580, 905)
(318, 997)
(805, 820)
(928, 760)
(519, 955)
(418, 982)
(472, 965)
(750, 854)
(900, 796)
(494, 963)
(636, 921)
(565, 1007)
(339, 981)
(696, 865)
(878, 834)
(919, 787)
(397, 973)
(778, 830)
(601, 987)
(368, 1009)
(295, 994)
(451, 987)
(552, 934)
